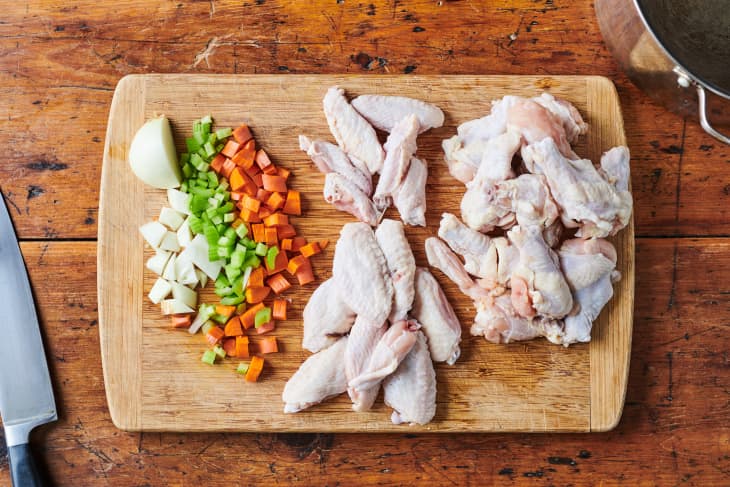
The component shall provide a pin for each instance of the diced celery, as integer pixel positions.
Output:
(220, 197)
(222, 281)
(241, 231)
(187, 171)
(271, 257)
(261, 249)
(213, 253)
(242, 368)
(262, 316)
(223, 186)
(192, 144)
(209, 149)
(198, 203)
(200, 138)
(237, 287)
(195, 224)
(211, 234)
(237, 258)
(232, 272)
(225, 241)
(226, 208)
(208, 325)
(223, 133)
(222, 319)
(230, 233)
(252, 261)
(219, 351)
(217, 219)
(212, 179)
(208, 357)
(224, 252)
(232, 300)
(202, 192)
(184, 187)
(206, 120)
(223, 291)
(212, 138)
(229, 217)
(184, 158)
(241, 308)
(250, 244)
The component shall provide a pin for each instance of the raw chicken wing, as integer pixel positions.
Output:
(411, 390)
(320, 377)
(362, 340)
(437, 318)
(473, 246)
(401, 265)
(399, 149)
(410, 197)
(498, 321)
(346, 196)
(352, 132)
(326, 317)
(330, 158)
(528, 197)
(442, 258)
(384, 112)
(361, 273)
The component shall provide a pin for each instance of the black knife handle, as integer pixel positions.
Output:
(22, 467)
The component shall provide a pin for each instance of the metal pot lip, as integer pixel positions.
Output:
(694, 77)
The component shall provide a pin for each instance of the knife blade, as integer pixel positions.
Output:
(26, 395)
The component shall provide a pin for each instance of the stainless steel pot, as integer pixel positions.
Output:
(677, 51)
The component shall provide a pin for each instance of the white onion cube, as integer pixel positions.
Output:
(158, 262)
(184, 234)
(169, 242)
(169, 272)
(153, 233)
(160, 290)
(179, 201)
(174, 307)
(184, 294)
(170, 218)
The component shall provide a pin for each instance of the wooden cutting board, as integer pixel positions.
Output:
(154, 378)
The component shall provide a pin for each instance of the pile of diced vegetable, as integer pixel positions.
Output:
(229, 222)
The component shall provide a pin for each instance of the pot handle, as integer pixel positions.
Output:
(704, 121)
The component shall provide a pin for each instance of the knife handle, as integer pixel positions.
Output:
(23, 469)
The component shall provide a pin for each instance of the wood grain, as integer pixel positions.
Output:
(520, 387)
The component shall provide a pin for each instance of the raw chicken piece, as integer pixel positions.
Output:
(481, 209)
(499, 261)
(529, 198)
(319, 377)
(401, 264)
(498, 322)
(442, 258)
(586, 199)
(437, 318)
(326, 317)
(361, 273)
(589, 267)
(538, 285)
(352, 132)
(384, 112)
(410, 197)
(615, 166)
(390, 351)
(362, 340)
(330, 158)
(399, 149)
(346, 196)
(411, 390)
(569, 116)
(470, 244)
(535, 122)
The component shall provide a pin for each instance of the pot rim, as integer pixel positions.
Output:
(694, 77)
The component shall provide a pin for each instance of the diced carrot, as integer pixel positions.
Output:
(245, 156)
(298, 243)
(268, 345)
(270, 170)
(278, 311)
(280, 263)
(286, 231)
(217, 162)
(257, 278)
(323, 244)
(295, 263)
(258, 231)
(276, 219)
(237, 223)
(278, 283)
(274, 183)
(242, 134)
(252, 170)
(286, 244)
(258, 179)
(250, 216)
(256, 294)
(293, 205)
(312, 248)
(242, 347)
(230, 149)
(229, 345)
(262, 159)
(214, 335)
(228, 167)
(233, 327)
(181, 321)
(224, 310)
(254, 369)
(283, 172)
(265, 212)
(271, 237)
(262, 194)
(275, 201)
(247, 318)
(236, 178)
(305, 274)
(266, 327)
(251, 203)
(237, 195)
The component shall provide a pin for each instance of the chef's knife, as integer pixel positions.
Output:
(26, 397)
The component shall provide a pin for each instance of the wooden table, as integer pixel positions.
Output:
(59, 63)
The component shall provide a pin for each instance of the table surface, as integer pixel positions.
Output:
(59, 64)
